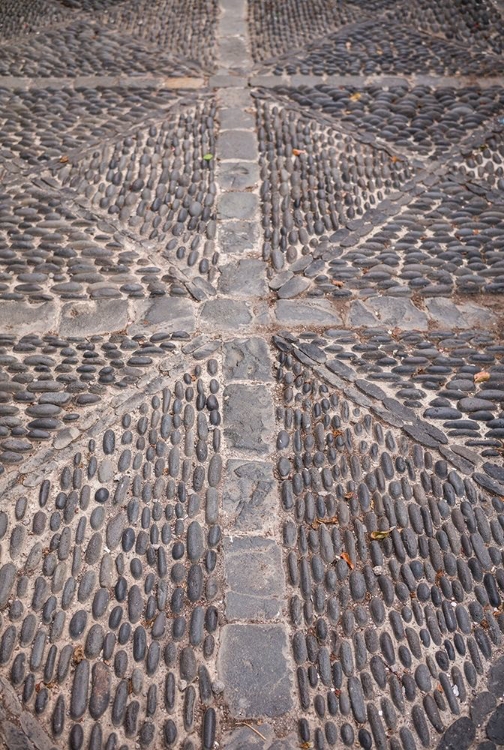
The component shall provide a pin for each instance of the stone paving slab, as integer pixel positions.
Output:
(251, 402)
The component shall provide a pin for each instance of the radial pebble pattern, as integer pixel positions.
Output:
(395, 566)
(110, 597)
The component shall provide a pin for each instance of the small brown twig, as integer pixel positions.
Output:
(244, 724)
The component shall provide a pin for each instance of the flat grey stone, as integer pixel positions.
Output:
(237, 175)
(245, 738)
(445, 312)
(476, 316)
(250, 498)
(20, 318)
(237, 205)
(249, 418)
(230, 25)
(397, 312)
(225, 80)
(294, 287)
(247, 359)
(237, 235)
(237, 8)
(359, 316)
(169, 313)
(304, 313)
(267, 82)
(253, 666)
(89, 318)
(232, 97)
(245, 278)
(238, 145)
(227, 314)
(495, 726)
(233, 53)
(280, 279)
(253, 570)
(65, 436)
(496, 678)
(235, 118)
(15, 738)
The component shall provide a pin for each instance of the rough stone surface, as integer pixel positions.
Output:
(247, 359)
(256, 585)
(253, 667)
(248, 423)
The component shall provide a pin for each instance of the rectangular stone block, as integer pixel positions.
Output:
(254, 577)
(245, 277)
(233, 53)
(19, 318)
(238, 145)
(224, 80)
(249, 419)
(236, 97)
(87, 318)
(297, 312)
(235, 118)
(232, 25)
(228, 314)
(169, 313)
(237, 175)
(254, 669)
(247, 359)
(250, 499)
(237, 236)
(237, 205)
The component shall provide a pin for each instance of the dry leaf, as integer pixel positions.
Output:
(355, 97)
(318, 521)
(378, 535)
(481, 377)
(63, 159)
(338, 283)
(298, 151)
(306, 745)
(349, 495)
(346, 557)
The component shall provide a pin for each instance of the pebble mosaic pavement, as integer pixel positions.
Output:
(251, 374)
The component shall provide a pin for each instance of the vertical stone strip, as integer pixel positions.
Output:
(254, 653)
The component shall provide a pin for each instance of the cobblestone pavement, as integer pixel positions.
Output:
(251, 374)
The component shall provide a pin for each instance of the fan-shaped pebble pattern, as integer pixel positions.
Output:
(424, 120)
(155, 181)
(396, 572)
(41, 125)
(109, 585)
(83, 48)
(383, 47)
(315, 180)
(185, 27)
(28, 17)
(47, 383)
(446, 240)
(484, 163)
(452, 380)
